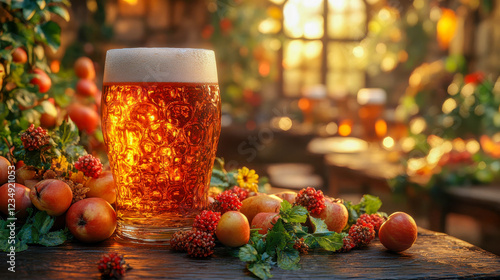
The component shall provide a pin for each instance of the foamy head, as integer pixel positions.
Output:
(371, 96)
(158, 65)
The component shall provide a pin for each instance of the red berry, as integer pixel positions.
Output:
(207, 221)
(112, 266)
(226, 201)
(34, 138)
(179, 240)
(301, 246)
(240, 192)
(312, 199)
(362, 233)
(348, 244)
(200, 244)
(89, 165)
(374, 219)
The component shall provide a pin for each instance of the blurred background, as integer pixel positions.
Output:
(400, 99)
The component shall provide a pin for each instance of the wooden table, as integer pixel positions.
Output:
(434, 255)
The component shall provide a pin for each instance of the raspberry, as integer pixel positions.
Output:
(348, 244)
(362, 233)
(312, 199)
(179, 240)
(374, 219)
(89, 165)
(226, 201)
(206, 221)
(240, 192)
(34, 138)
(112, 266)
(301, 246)
(200, 244)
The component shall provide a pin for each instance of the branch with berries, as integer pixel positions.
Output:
(275, 230)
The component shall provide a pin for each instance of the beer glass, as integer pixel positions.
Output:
(161, 125)
(372, 104)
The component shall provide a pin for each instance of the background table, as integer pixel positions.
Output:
(434, 255)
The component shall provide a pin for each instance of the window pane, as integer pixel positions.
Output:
(346, 19)
(303, 18)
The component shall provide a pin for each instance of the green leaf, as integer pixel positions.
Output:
(295, 214)
(43, 222)
(24, 97)
(50, 33)
(29, 9)
(66, 134)
(371, 203)
(332, 242)
(285, 206)
(261, 270)
(248, 253)
(276, 238)
(319, 225)
(60, 11)
(288, 259)
(53, 238)
(41, 4)
(73, 153)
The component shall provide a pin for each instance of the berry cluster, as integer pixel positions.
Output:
(240, 192)
(374, 219)
(362, 233)
(197, 243)
(301, 246)
(34, 138)
(89, 165)
(207, 221)
(112, 266)
(226, 201)
(348, 244)
(312, 199)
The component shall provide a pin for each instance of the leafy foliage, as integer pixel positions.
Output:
(27, 25)
(368, 204)
(277, 246)
(36, 230)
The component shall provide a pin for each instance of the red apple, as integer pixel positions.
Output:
(4, 170)
(265, 221)
(19, 56)
(399, 232)
(260, 203)
(233, 229)
(42, 80)
(21, 198)
(103, 187)
(91, 220)
(334, 214)
(84, 117)
(287, 195)
(51, 195)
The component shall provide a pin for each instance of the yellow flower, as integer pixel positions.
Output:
(59, 164)
(248, 179)
(78, 177)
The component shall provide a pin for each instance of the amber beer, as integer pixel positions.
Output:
(372, 105)
(161, 125)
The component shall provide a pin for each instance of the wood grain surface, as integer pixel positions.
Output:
(433, 256)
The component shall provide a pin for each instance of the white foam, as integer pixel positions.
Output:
(371, 96)
(180, 65)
